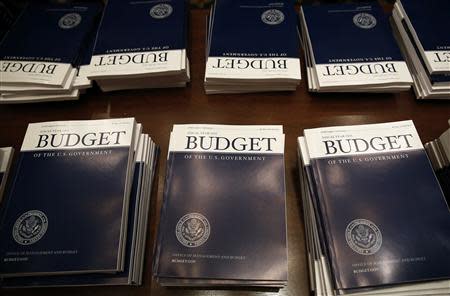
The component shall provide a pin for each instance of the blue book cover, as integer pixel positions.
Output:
(428, 20)
(67, 209)
(45, 42)
(352, 44)
(385, 216)
(139, 196)
(253, 39)
(140, 37)
(223, 216)
(120, 278)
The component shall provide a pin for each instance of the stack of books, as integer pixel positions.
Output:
(418, 25)
(376, 219)
(40, 54)
(223, 218)
(141, 44)
(252, 46)
(77, 210)
(350, 48)
(6, 155)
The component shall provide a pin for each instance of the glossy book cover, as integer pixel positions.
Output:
(352, 44)
(45, 42)
(224, 207)
(140, 37)
(253, 40)
(385, 216)
(67, 209)
(124, 277)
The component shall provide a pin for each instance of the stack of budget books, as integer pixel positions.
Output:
(376, 219)
(141, 44)
(39, 56)
(6, 155)
(223, 218)
(421, 29)
(76, 213)
(351, 48)
(252, 46)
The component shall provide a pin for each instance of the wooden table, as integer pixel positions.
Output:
(159, 109)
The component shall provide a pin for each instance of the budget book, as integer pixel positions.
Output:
(40, 54)
(374, 207)
(252, 46)
(350, 48)
(223, 219)
(141, 44)
(78, 208)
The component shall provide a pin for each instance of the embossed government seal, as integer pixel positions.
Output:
(30, 227)
(272, 17)
(363, 237)
(193, 230)
(364, 20)
(160, 11)
(69, 21)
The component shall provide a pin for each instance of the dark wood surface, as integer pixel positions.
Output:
(158, 110)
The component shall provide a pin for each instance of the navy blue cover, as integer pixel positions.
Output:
(430, 19)
(244, 202)
(36, 35)
(127, 26)
(120, 278)
(83, 199)
(334, 35)
(238, 29)
(403, 198)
